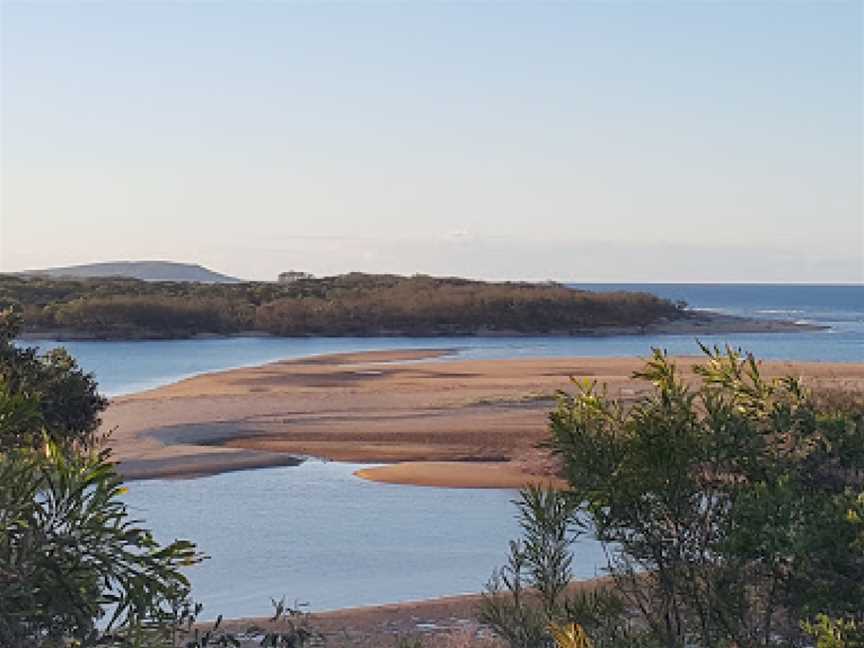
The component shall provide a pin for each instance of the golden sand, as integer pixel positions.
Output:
(456, 423)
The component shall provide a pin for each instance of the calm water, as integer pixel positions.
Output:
(123, 367)
(318, 534)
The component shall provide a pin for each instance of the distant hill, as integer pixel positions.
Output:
(141, 270)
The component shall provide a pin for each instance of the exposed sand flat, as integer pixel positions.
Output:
(454, 474)
(376, 408)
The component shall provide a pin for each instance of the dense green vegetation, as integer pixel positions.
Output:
(76, 570)
(70, 554)
(62, 401)
(353, 304)
(732, 515)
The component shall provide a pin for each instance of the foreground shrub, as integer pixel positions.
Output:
(63, 397)
(75, 568)
(527, 601)
(571, 635)
(729, 511)
(835, 633)
(73, 564)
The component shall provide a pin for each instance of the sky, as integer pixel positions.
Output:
(573, 141)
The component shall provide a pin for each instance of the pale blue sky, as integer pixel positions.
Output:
(605, 141)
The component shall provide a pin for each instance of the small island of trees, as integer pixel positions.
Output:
(354, 304)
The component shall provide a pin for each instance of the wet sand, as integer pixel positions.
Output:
(381, 626)
(455, 423)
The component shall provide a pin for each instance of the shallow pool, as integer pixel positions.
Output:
(316, 533)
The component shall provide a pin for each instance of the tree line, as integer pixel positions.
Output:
(345, 305)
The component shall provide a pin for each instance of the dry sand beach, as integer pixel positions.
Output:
(455, 423)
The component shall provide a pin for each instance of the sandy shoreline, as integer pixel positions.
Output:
(380, 626)
(457, 423)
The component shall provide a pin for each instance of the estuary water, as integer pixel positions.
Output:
(315, 533)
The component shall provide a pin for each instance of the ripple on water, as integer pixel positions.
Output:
(316, 533)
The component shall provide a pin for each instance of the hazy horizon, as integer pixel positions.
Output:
(565, 281)
(583, 142)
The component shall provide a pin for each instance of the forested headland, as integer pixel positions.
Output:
(353, 304)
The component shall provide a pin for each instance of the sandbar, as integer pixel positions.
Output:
(432, 418)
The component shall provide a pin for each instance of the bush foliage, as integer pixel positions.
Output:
(75, 567)
(729, 511)
(527, 602)
(731, 514)
(70, 556)
(62, 400)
